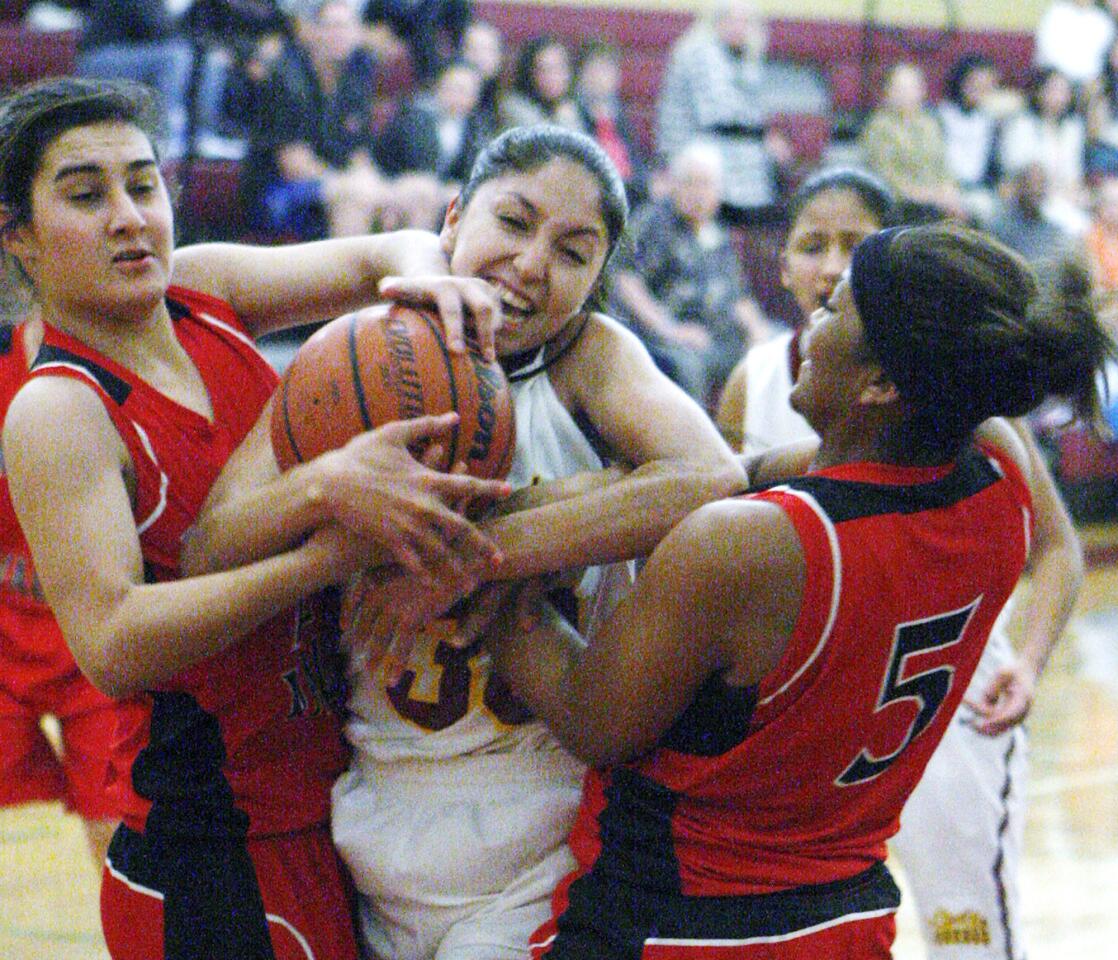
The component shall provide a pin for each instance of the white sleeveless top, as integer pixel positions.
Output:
(449, 704)
(769, 418)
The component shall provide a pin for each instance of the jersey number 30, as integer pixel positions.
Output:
(928, 689)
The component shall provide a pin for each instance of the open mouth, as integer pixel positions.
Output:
(131, 256)
(514, 304)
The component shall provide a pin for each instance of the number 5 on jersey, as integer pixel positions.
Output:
(929, 689)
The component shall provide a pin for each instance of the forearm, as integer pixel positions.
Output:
(619, 521)
(1054, 583)
(156, 630)
(537, 663)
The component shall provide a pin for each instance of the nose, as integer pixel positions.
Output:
(125, 214)
(834, 262)
(531, 260)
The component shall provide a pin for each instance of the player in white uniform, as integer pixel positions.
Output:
(961, 830)
(454, 814)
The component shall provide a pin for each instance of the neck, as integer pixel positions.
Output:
(129, 340)
(894, 442)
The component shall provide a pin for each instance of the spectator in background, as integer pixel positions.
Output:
(1100, 243)
(309, 171)
(432, 29)
(542, 88)
(484, 47)
(970, 131)
(903, 143)
(1073, 37)
(1021, 220)
(139, 40)
(720, 84)
(1050, 133)
(1101, 113)
(598, 82)
(433, 139)
(253, 59)
(682, 288)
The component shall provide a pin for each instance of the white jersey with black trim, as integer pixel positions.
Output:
(449, 703)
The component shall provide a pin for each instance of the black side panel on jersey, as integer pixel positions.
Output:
(852, 500)
(715, 721)
(116, 388)
(636, 831)
(212, 904)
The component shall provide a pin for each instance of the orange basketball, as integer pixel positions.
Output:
(390, 362)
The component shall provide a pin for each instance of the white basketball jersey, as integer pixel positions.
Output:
(769, 418)
(449, 703)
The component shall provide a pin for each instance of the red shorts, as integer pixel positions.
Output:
(866, 938)
(602, 916)
(38, 677)
(307, 899)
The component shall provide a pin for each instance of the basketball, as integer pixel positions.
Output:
(390, 362)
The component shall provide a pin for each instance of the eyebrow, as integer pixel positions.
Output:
(534, 210)
(76, 169)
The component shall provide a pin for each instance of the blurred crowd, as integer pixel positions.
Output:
(294, 90)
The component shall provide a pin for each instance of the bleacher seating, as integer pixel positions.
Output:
(851, 59)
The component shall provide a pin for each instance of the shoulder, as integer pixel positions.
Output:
(1001, 438)
(54, 417)
(733, 548)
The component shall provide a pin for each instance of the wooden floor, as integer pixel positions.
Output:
(48, 908)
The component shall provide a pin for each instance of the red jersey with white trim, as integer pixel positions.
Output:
(801, 779)
(236, 741)
(19, 587)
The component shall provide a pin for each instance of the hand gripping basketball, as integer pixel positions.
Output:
(387, 363)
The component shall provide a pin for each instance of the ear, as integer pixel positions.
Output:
(878, 390)
(448, 235)
(15, 240)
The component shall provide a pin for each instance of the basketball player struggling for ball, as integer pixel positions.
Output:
(962, 829)
(455, 810)
(760, 706)
(140, 391)
(38, 675)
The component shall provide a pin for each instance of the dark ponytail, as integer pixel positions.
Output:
(967, 330)
(1066, 340)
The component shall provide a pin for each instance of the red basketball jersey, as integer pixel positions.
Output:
(239, 734)
(801, 779)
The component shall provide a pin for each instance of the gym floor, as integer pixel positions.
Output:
(48, 900)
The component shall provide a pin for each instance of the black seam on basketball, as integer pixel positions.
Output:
(287, 423)
(355, 373)
(451, 383)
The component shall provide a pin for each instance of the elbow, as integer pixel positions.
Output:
(596, 752)
(730, 479)
(109, 678)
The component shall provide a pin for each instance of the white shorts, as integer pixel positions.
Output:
(960, 844)
(456, 859)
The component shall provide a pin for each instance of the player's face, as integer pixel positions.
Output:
(540, 239)
(835, 361)
(99, 241)
(821, 244)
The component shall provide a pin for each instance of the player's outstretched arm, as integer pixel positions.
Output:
(372, 486)
(675, 457)
(1055, 572)
(720, 593)
(128, 635)
(271, 288)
